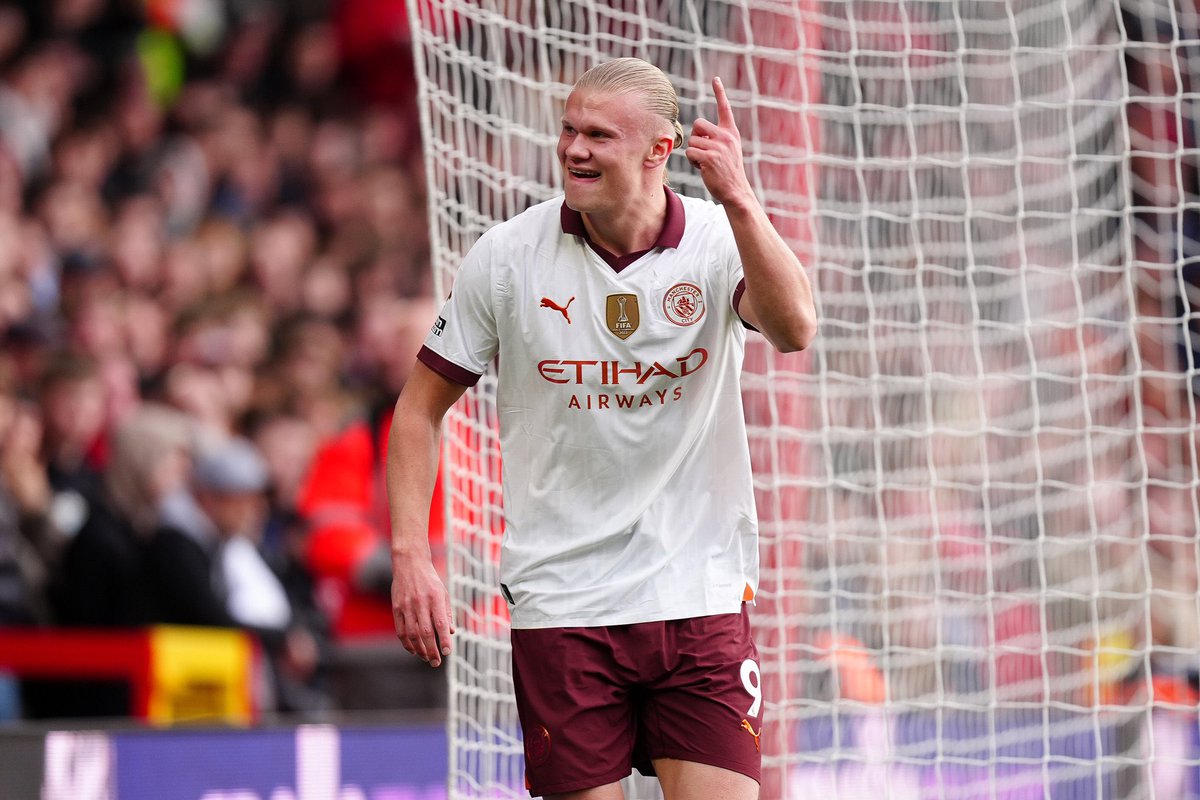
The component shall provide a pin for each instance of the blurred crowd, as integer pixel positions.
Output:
(213, 282)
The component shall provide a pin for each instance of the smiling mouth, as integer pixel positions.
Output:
(583, 173)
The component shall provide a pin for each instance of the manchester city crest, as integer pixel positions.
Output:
(684, 304)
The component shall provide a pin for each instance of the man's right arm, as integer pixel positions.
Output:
(420, 604)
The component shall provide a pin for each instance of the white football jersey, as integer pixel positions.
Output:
(628, 494)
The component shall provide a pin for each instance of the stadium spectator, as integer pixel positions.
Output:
(29, 541)
(74, 437)
(101, 581)
(343, 501)
(287, 444)
(204, 565)
(376, 45)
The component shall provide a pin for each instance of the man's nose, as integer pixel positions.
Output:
(576, 148)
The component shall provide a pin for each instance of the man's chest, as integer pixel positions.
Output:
(579, 301)
(604, 339)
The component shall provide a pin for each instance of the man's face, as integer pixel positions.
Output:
(73, 410)
(604, 147)
(234, 513)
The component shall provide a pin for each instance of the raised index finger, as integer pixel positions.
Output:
(724, 110)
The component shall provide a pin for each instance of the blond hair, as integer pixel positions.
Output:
(140, 446)
(633, 75)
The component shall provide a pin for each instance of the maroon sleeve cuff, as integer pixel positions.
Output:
(737, 302)
(447, 369)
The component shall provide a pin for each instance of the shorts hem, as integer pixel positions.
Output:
(579, 784)
(530, 621)
(754, 773)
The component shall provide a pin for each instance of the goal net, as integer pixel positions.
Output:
(977, 489)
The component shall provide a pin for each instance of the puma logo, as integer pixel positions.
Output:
(548, 303)
(746, 726)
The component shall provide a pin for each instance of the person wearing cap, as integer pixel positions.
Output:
(185, 557)
(205, 567)
(230, 485)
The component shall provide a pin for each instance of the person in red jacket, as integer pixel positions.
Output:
(343, 499)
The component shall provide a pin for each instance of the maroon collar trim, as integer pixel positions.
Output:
(670, 235)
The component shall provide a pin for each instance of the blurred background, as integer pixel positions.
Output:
(213, 282)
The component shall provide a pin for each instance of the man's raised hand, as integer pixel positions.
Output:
(716, 150)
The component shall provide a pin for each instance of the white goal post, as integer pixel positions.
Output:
(978, 488)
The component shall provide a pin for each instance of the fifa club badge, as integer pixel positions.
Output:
(622, 315)
(684, 304)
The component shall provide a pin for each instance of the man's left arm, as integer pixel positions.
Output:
(778, 298)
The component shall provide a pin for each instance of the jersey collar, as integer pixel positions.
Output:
(670, 235)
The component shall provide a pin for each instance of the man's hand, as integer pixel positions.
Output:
(421, 609)
(716, 150)
(420, 604)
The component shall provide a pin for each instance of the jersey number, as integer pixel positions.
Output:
(752, 680)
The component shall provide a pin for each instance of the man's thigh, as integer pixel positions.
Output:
(610, 792)
(596, 702)
(687, 780)
(575, 708)
(707, 709)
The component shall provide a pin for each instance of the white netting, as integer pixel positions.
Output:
(977, 489)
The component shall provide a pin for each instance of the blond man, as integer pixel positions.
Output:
(617, 316)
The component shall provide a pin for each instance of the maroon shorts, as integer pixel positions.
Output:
(596, 702)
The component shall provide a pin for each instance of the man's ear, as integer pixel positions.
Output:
(660, 150)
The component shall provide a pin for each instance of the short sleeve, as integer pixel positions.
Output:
(725, 250)
(463, 341)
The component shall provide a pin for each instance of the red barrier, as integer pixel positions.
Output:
(177, 674)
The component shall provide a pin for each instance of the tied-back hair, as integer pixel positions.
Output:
(633, 75)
